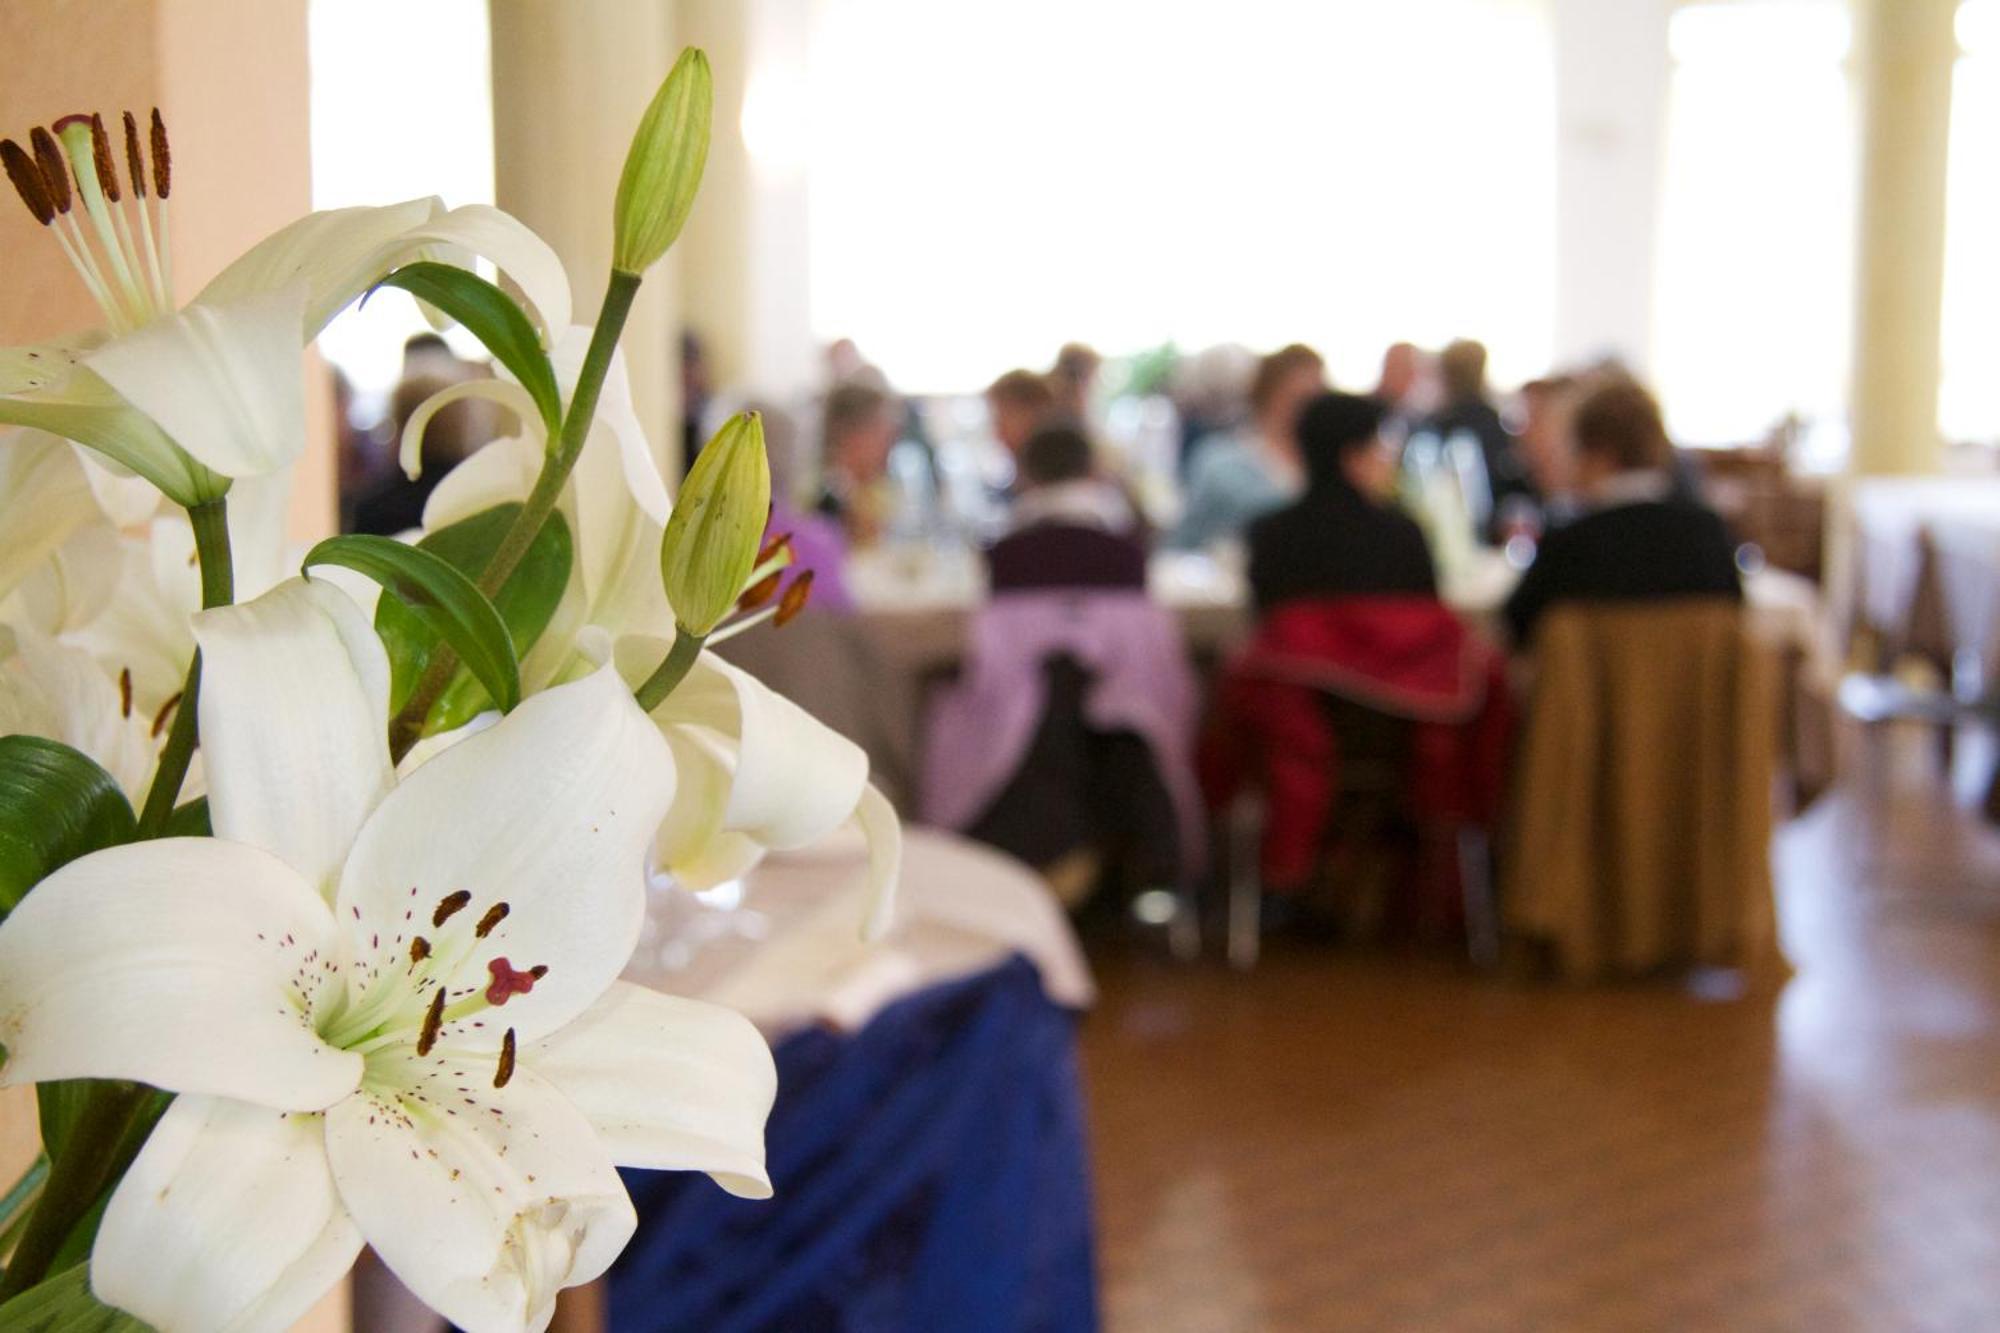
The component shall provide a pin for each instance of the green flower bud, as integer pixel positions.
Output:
(717, 524)
(663, 167)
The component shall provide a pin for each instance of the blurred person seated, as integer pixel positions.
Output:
(1020, 403)
(1641, 536)
(858, 428)
(1343, 537)
(819, 546)
(1072, 379)
(1071, 528)
(1396, 388)
(697, 390)
(1468, 409)
(394, 503)
(1240, 478)
(1546, 405)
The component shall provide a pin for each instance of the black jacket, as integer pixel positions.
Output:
(1633, 552)
(1335, 542)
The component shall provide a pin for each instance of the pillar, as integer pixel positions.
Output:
(1904, 53)
(570, 81)
(744, 256)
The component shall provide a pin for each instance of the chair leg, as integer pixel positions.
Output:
(1184, 931)
(1482, 912)
(1245, 889)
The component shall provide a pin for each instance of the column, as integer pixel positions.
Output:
(1611, 69)
(1904, 53)
(570, 81)
(744, 260)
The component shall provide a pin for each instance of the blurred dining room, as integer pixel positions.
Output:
(1409, 594)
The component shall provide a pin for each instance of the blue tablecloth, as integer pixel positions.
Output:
(931, 1170)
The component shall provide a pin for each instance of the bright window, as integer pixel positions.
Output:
(401, 107)
(1754, 293)
(989, 181)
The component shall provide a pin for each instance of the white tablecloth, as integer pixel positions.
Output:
(1885, 518)
(790, 954)
(916, 610)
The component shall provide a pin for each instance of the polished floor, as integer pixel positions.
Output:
(1353, 1141)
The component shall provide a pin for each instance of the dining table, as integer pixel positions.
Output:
(927, 1148)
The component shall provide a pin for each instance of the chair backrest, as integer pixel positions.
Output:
(1131, 663)
(1642, 806)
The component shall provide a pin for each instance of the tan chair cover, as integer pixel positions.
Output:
(1640, 833)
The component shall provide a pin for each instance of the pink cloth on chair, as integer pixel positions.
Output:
(1141, 682)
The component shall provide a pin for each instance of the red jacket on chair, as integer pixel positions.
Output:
(1408, 657)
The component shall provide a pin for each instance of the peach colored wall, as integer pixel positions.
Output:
(231, 78)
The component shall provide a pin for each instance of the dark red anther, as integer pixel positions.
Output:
(452, 902)
(794, 600)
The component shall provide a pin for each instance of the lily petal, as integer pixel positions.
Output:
(550, 811)
(487, 1213)
(223, 379)
(511, 396)
(294, 712)
(227, 1222)
(884, 834)
(187, 963)
(48, 689)
(44, 498)
(514, 249)
(332, 252)
(46, 388)
(796, 779)
(669, 1083)
(496, 474)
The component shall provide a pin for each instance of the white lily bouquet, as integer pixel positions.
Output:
(317, 888)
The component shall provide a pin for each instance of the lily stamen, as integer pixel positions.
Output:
(138, 288)
(506, 1068)
(433, 1020)
(494, 916)
(452, 904)
(125, 691)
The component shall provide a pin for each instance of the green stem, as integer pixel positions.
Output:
(76, 1179)
(218, 588)
(408, 725)
(672, 670)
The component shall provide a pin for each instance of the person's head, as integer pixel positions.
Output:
(857, 431)
(1616, 428)
(1071, 377)
(1285, 381)
(781, 448)
(1341, 442)
(1399, 373)
(1020, 401)
(1462, 368)
(1053, 455)
(1544, 434)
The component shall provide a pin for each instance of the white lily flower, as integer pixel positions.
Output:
(759, 774)
(192, 397)
(60, 693)
(616, 501)
(390, 1007)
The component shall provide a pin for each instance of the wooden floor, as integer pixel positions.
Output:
(1346, 1141)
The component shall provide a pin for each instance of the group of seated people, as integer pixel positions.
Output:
(1310, 486)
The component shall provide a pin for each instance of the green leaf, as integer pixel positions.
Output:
(63, 1304)
(189, 821)
(526, 604)
(55, 805)
(446, 601)
(24, 1190)
(496, 320)
(57, 1105)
